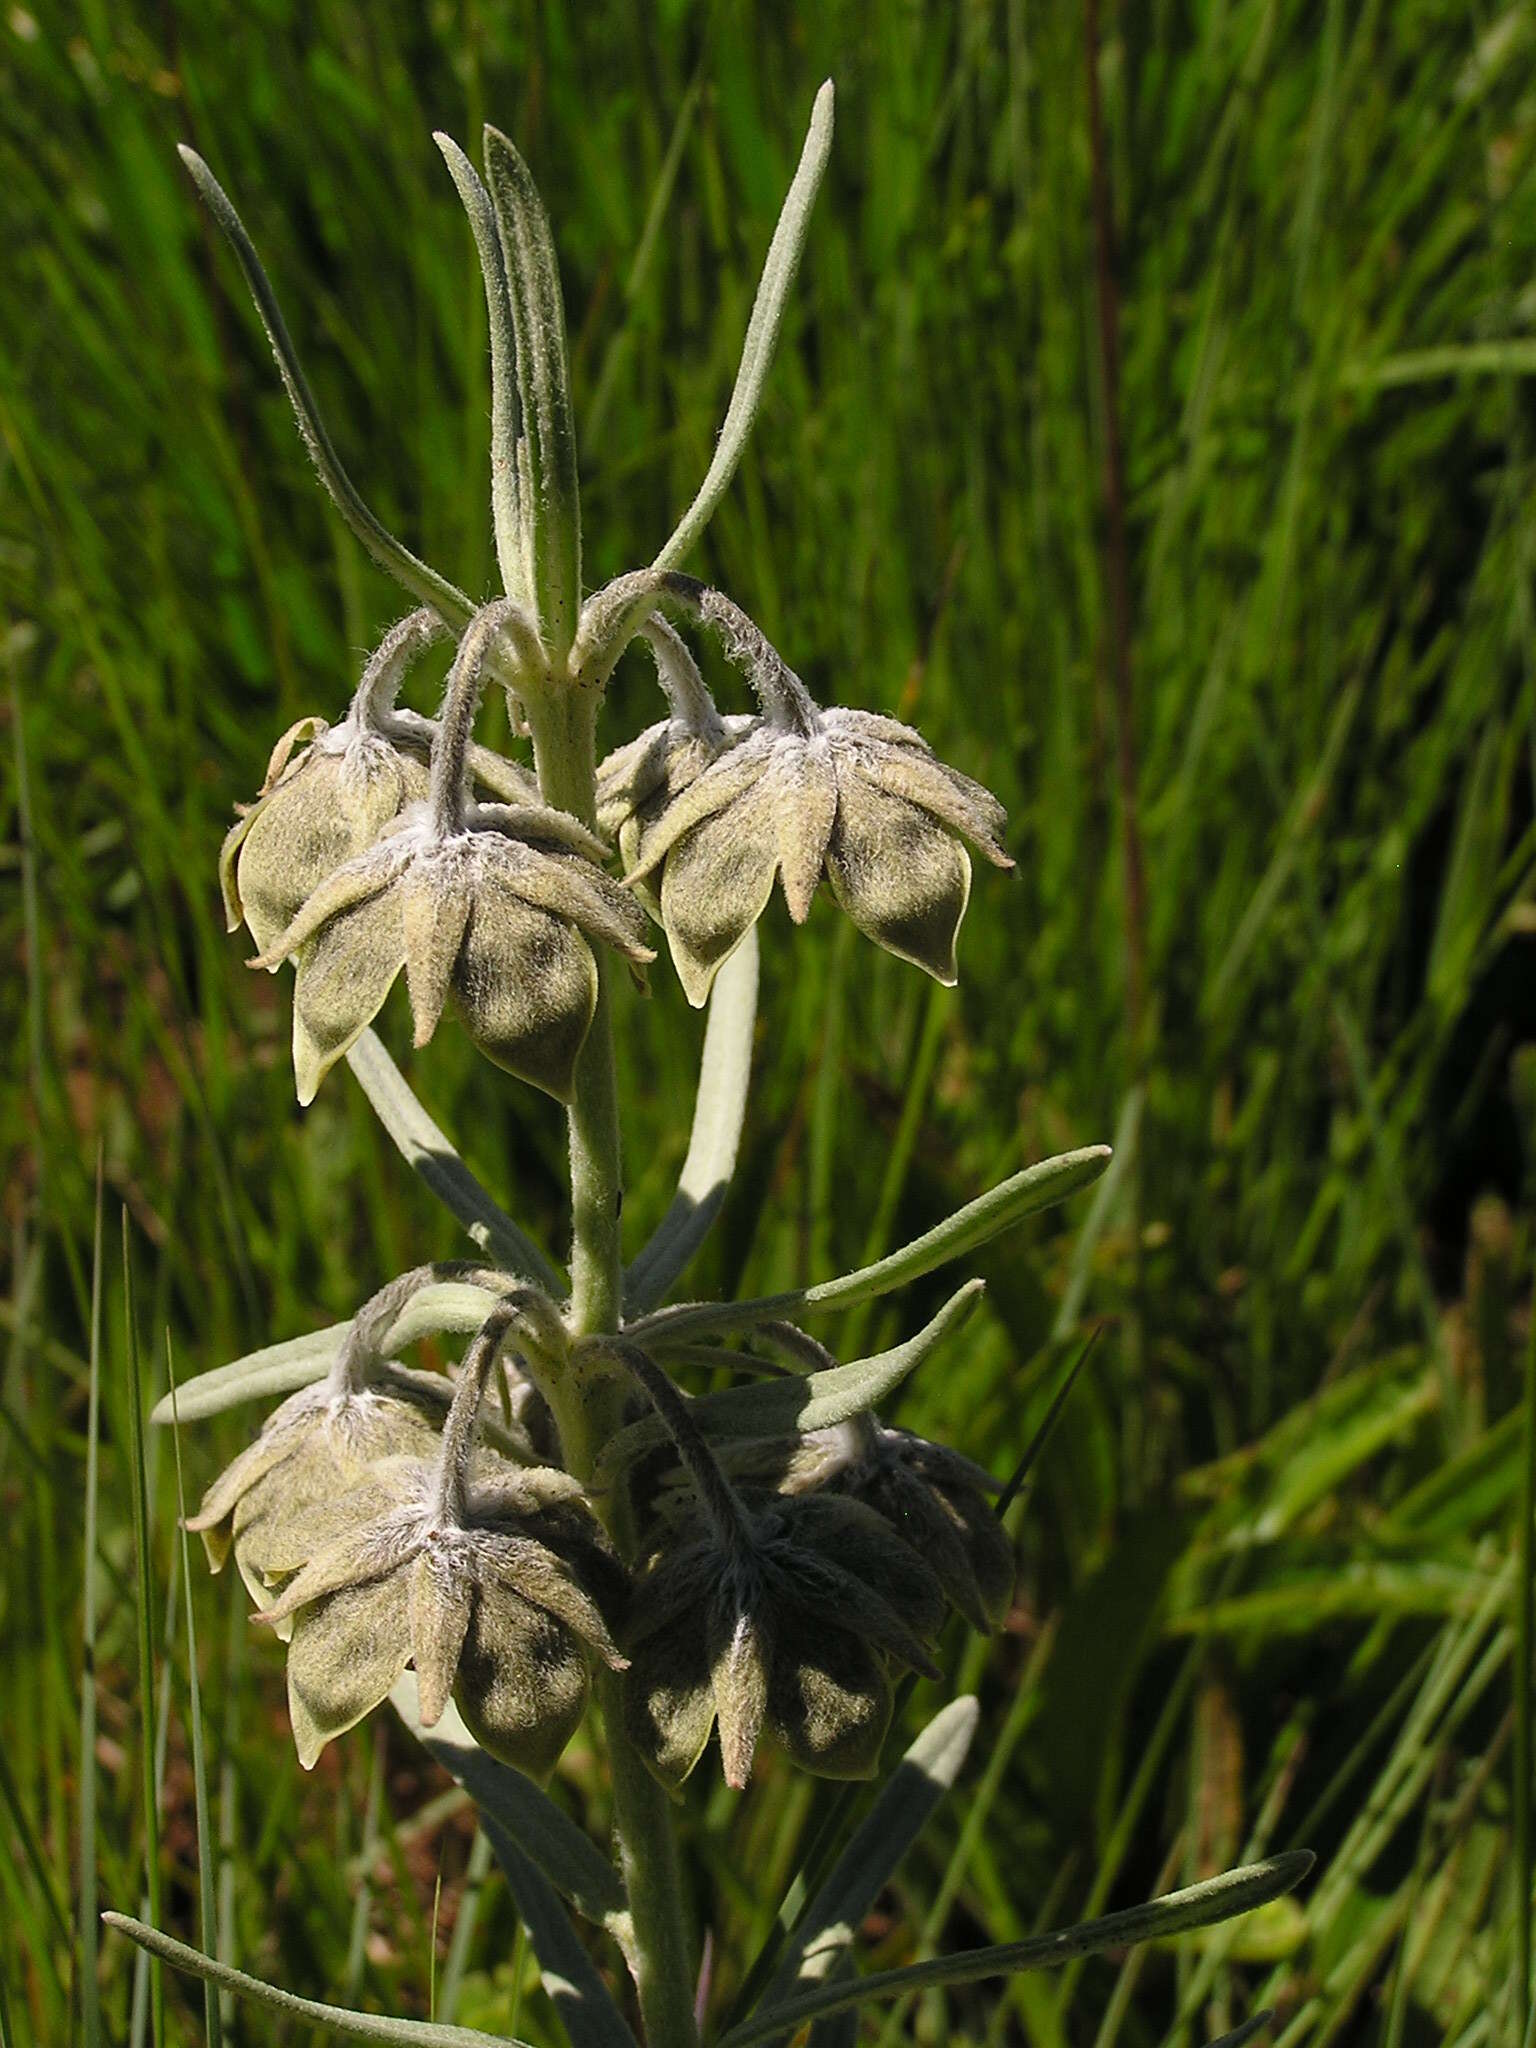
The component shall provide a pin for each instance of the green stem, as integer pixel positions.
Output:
(563, 726)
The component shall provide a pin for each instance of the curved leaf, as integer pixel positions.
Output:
(1198, 1905)
(361, 2026)
(391, 554)
(549, 501)
(999, 1209)
(779, 268)
(818, 1400)
(450, 1305)
(506, 512)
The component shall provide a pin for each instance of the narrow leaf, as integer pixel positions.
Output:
(451, 1305)
(425, 1148)
(783, 261)
(725, 1071)
(391, 554)
(1023, 1194)
(207, 1917)
(361, 2026)
(567, 1857)
(506, 512)
(1199, 1905)
(549, 501)
(145, 1600)
(832, 1919)
(87, 1985)
(781, 1407)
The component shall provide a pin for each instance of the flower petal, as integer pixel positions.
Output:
(714, 888)
(435, 894)
(738, 1676)
(899, 875)
(347, 1651)
(669, 1703)
(525, 984)
(804, 788)
(829, 1703)
(344, 973)
(441, 1592)
(522, 1684)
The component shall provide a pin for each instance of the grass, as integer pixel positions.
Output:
(1267, 1591)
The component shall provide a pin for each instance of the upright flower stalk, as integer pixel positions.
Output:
(567, 1515)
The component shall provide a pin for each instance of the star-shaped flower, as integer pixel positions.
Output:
(494, 904)
(795, 796)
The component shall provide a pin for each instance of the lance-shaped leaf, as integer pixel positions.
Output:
(425, 1148)
(567, 1857)
(719, 1107)
(506, 510)
(359, 2026)
(393, 555)
(548, 499)
(455, 1306)
(779, 269)
(833, 1917)
(1199, 1905)
(818, 1400)
(1023, 1194)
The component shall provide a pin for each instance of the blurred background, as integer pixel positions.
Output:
(1206, 539)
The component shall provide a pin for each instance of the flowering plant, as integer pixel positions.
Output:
(570, 1517)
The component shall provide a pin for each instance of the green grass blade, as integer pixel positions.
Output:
(1200, 1905)
(359, 2026)
(466, 1921)
(1250, 2030)
(87, 1985)
(145, 1595)
(1024, 1194)
(207, 1906)
(1525, 1601)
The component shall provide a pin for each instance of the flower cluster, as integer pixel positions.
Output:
(384, 1518)
(769, 1584)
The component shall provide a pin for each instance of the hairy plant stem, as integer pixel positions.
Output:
(563, 722)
